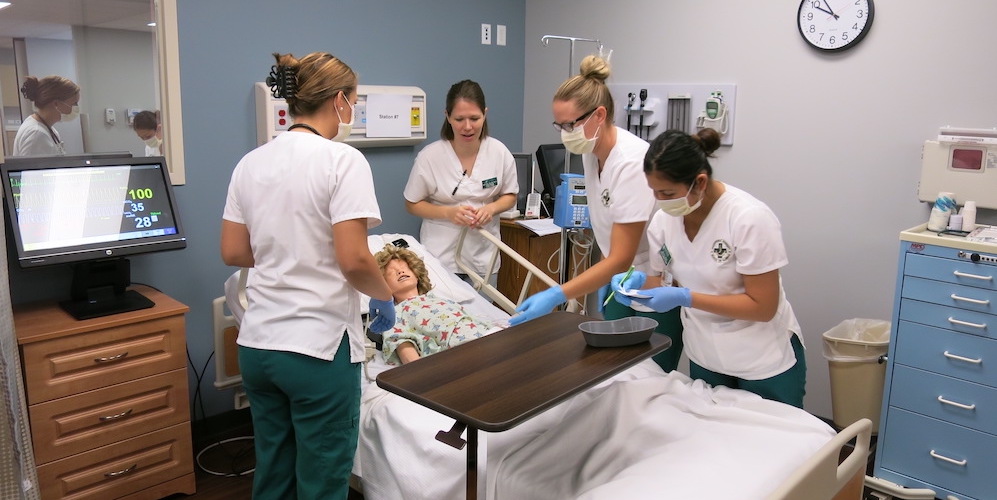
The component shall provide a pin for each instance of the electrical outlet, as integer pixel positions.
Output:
(500, 34)
(486, 34)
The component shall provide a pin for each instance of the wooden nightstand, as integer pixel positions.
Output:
(107, 400)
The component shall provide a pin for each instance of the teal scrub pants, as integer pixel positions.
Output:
(787, 387)
(669, 323)
(306, 414)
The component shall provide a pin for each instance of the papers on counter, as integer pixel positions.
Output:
(540, 227)
(983, 234)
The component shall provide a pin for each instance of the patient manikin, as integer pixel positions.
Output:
(424, 322)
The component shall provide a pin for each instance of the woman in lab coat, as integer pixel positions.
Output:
(297, 212)
(716, 251)
(465, 179)
(619, 201)
(55, 99)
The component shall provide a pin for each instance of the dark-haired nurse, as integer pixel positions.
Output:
(716, 252)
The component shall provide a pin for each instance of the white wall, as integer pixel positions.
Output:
(830, 142)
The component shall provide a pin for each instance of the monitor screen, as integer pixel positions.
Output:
(550, 161)
(74, 209)
(524, 172)
(91, 211)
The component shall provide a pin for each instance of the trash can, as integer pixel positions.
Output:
(853, 350)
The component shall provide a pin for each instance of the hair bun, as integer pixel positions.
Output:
(596, 67)
(708, 139)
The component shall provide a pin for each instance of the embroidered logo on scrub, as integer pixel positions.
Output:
(487, 183)
(605, 197)
(721, 251)
(666, 256)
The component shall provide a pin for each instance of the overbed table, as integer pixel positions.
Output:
(499, 381)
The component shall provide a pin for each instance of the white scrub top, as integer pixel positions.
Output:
(740, 236)
(437, 171)
(153, 151)
(620, 194)
(34, 138)
(289, 192)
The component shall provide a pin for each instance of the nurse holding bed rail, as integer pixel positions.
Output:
(715, 252)
(620, 202)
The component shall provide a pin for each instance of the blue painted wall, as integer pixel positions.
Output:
(226, 46)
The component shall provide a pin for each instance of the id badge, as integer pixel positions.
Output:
(487, 183)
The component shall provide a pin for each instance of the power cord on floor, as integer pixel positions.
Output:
(198, 402)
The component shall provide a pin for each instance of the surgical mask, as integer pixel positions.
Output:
(680, 207)
(576, 142)
(345, 129)
(74, 113)
(153, 142)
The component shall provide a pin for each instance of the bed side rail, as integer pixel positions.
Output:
(821, 477)
(482, 284)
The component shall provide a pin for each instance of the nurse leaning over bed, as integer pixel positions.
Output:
(462, 180)
(716, 252)
(620, 202)
(297, 211)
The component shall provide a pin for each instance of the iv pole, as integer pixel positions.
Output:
(545, 40)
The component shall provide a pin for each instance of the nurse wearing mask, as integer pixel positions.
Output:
(716, 252)
(465, 179)
(619, 200)
(297, 212)
(55, 99)
(148, 128)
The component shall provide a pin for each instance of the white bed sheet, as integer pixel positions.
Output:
(642, 434)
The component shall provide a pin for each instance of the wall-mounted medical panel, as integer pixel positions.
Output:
(648, 109)
(961, 161)
(384, 115)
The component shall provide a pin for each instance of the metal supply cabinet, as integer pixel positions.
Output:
(939, 415)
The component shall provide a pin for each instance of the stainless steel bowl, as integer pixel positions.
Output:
(618, 332)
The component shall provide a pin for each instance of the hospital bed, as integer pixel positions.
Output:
(641, 434)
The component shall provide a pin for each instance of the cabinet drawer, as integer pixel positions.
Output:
(70, 425)
(121, 468)
(77, 363)
(942, 351)
(949, 294)
(952, 271)
(945, 398)
(951, 318)
(936, 452)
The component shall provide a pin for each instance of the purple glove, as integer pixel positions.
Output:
(382, 313)
(538, 304)
(665, 298)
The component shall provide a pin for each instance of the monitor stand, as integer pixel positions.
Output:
(99, 288)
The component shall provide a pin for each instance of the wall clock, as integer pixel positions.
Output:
(834, 25)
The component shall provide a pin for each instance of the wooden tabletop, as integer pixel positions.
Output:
(496, 382)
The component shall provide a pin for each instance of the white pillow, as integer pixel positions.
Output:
(445, 283)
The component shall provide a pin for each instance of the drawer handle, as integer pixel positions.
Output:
(974, 276)
(967, 323)
(960, 358)
(108, 359)
(947, 459)
(124, 414)
(131, 469)
(957, 405)
(974, 301)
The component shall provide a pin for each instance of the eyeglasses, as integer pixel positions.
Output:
(569, 126)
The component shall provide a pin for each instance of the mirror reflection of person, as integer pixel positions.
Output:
(425, 323)
(55, 98)
(149, 128)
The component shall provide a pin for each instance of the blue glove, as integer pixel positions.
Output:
(382, 313)
(634, 282)
(665, 298)
(538, 304)
(603, 293)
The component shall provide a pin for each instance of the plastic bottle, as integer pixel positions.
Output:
(969, 216)
(955, 222)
